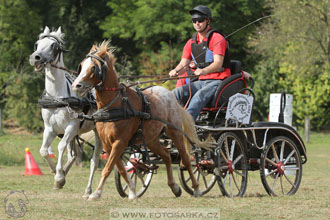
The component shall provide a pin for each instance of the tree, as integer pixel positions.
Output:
(145, 26)
(299, 42)
(79, 19)
(16, 45)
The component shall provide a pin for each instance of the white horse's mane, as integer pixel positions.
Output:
(55, 33)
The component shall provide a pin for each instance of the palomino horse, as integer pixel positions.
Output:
(98, 71)
(48, 57)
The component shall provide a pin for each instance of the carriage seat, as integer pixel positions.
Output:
(228, 87)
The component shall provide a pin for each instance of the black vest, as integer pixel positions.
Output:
(203, 56)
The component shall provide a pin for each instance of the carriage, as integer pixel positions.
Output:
(273, 148)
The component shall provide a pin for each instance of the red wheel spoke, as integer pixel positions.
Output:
(282, 184)
(289, 156)
(289, 181)
(272, 172)
(235, 183)
(270, 161)
(282, 151)
(226, 148)
(224, 157)
(232, 149)
(237, 159)
(205, 182)
(241, 174)
(275, 154)
(275, 182)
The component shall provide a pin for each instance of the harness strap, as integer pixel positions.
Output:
(146, 111)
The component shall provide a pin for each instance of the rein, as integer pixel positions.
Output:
(100, 88)
(65, 69)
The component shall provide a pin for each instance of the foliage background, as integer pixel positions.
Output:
(289, 51)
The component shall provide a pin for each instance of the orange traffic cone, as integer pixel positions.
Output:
(31, 167)
(50, 152)
(104, 156)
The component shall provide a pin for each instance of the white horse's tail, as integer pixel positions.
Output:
(188, 127)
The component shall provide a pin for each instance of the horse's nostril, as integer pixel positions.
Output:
(78, 86)
(37, 57)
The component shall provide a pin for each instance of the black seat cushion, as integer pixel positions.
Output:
(229, 86)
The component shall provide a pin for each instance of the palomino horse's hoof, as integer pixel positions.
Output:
(59, 184)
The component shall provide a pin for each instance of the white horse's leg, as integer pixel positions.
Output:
(72, 154)
(94, 164)
(69, 134)
(47, 139)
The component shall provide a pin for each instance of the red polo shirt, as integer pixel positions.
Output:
(217, 45)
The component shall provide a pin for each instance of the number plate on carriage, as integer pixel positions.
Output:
(240, 108)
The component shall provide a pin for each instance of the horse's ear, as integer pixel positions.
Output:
(46, 31)
(93, 48)
(59, 30)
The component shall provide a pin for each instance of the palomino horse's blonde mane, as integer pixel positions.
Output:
(105, 48)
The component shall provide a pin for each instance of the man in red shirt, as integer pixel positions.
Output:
(209, 52)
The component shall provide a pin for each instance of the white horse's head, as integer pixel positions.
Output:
(48, 49)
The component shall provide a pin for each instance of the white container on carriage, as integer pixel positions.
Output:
(275, 107)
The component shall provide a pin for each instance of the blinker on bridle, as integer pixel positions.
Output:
(99, 73)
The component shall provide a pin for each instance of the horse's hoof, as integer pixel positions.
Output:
(177, 191)
(197, 193)
(93, 197)
(132, 196)
(86, 196)
(59, 184)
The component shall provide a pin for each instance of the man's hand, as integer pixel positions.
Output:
(199, 72)
(246, 75)
(173, 73)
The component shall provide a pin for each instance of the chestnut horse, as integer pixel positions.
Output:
(97, 70)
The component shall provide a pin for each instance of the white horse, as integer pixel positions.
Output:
(48, 57)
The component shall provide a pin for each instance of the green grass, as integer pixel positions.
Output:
(312, 201)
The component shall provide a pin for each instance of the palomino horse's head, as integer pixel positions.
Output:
(47, 49)
(93, 69)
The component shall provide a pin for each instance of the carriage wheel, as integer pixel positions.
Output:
(281, 167)
(232, 167)
(140, 177)
(205, 178)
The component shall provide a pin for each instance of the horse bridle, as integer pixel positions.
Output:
(99, 73)
(58, 49)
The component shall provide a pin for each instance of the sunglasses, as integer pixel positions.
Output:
(200, 20)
